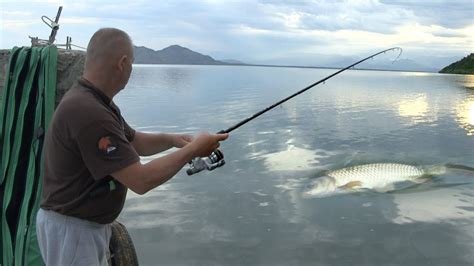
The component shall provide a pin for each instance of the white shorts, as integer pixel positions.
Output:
(65, 240)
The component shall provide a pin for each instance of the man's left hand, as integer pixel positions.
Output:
(181, 140)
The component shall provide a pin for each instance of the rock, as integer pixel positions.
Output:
(69, 67)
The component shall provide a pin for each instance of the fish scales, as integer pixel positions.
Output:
(377, 174)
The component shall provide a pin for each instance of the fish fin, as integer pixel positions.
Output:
(421, 180)
(351, 185)
(353, 158)
(387, 188)
(349, 161)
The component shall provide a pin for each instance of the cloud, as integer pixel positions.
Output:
(261, 29)
(446, 13)
(340, 15)
(449, 34)
(16, 24)
(79, 20)
(7, 13)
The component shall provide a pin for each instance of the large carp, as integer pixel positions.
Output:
(376, 176)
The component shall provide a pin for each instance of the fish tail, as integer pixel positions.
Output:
(435, 169)
(442, 169)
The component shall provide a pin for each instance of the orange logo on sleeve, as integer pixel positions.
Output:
(105, 145)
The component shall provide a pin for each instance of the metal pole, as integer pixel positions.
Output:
(55, 26)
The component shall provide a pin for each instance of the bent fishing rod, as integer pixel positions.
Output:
(216, 159)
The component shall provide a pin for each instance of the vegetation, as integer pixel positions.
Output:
(463, 66)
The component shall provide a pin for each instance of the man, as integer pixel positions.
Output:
(92, 157)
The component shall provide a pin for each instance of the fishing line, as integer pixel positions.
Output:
(216, 159)
(245, 121)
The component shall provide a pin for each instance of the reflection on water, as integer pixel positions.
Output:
(465, 115)
(251, 211)
(467, 81)
(293, 159)
(451, 205)
(416, 74)
(174, 78)
(415, 108)
(170, 212)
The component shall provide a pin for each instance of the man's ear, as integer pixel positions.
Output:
(122, 62)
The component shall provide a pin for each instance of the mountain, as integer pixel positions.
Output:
(173, 54)
(463, 66)
(176, 54)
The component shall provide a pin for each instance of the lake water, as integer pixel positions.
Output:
(251, 211)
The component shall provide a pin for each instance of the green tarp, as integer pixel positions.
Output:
(27, 105)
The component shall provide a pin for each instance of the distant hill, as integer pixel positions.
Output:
(176, 54)
(463, 66)
(173, 54)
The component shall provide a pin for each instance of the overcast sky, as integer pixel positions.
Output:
(254, 31)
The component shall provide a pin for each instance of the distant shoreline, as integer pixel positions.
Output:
(291, 66)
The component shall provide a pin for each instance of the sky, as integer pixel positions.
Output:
(260, 31)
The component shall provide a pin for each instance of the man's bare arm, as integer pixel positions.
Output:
(151, 143)
(143, 177)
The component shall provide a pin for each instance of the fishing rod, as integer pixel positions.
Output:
(216, 159)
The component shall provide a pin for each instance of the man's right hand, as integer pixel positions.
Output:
(204, 143)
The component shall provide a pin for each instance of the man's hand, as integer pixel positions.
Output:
(180, 140)
(204, 144)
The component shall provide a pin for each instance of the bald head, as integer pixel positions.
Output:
(106, 47)
(109, 60)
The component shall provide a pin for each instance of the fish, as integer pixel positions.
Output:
(381, 177)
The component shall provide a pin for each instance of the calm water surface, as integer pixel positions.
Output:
(251, 211)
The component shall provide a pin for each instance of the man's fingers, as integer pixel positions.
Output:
(205, 141)
(221, 137)
(188, 138)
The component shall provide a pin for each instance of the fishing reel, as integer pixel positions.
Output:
(213, 161)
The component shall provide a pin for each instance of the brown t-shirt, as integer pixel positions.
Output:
(87, 140)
